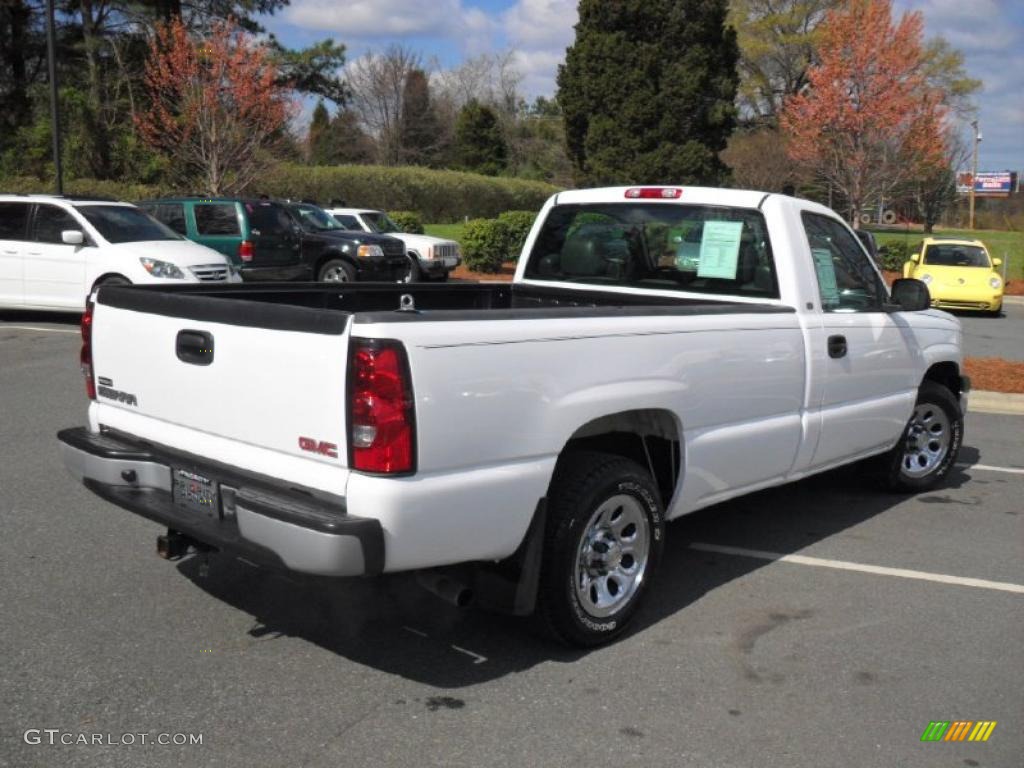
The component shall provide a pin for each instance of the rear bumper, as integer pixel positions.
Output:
(259, 518)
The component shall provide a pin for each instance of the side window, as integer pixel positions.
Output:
(846, 278)
(269, 219)
(171, 214)
(50, 221)
(217, 219)
(348, 222)
(13, 221)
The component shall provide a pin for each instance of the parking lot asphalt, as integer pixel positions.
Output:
(764, 641)
(995, 336)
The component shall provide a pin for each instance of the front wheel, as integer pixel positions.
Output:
(605, 533)
(930, 443)
(337, 271)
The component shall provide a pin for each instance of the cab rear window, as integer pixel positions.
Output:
(693, 248)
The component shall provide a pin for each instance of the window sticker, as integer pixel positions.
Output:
(720, 249)
(826, 270)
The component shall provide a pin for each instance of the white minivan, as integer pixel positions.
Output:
(54, 250)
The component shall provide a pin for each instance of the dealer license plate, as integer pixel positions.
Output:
(196, 493)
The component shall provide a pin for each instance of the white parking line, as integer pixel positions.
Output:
(43, 330)
(987, 468)
(843, 565)
(477, 658)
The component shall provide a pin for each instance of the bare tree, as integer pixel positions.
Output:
(378, 82)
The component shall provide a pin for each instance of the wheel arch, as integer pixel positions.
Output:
(652, 437)
(329, 254)
(947, 374)
(107, 276)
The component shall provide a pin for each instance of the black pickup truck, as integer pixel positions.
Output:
(277, 240)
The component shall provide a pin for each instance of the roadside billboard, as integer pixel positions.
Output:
(995, 184)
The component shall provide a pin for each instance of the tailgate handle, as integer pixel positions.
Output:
(195, 347)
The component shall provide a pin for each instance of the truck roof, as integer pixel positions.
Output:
(743, 198)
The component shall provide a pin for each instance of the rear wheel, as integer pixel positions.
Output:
(337, 271)
(605, 533)
(930, 444)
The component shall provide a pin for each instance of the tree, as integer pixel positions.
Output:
(868, 120)
(777, 40)
(758, 160)
(217, 107)
(479, 143)
(421, 136)
(648, 90)
(318, 149)
(378, 82)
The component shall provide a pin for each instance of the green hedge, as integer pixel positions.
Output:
(438, 196)
(484, 244)
(895, 255)
(119, 190)
(489, 243)
(410, 221)
(519, 224)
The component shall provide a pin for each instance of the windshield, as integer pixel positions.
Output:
(314, 219)
(379, 222)
(951, 255)
(696, 248)
(126, 224)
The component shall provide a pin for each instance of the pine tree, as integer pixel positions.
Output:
(479, 143)
(648, 90)
(319, 140)
(420, 130)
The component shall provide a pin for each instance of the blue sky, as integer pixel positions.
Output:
(989, 32)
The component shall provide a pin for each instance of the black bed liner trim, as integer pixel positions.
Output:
(156, 300)
(529, 302)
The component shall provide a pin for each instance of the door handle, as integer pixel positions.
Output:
(194, 347)
(836, 346)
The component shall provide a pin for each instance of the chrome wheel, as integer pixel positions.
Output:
(927, 442)
(612, 556)
(335, 274)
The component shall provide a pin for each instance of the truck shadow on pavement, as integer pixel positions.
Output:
(393, 625)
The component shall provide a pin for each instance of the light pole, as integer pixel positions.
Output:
(51, 56)
(974, 173)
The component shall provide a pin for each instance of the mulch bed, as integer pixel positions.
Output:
(995, 374)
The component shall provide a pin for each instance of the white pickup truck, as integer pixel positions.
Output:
(661, 349)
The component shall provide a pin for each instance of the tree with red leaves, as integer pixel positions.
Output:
(217, 104)
(868, 119)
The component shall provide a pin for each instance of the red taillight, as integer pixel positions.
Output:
(85, 357)
(381, 409)
(245, 251)
(654, 193)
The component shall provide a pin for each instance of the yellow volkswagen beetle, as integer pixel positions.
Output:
(959, 273)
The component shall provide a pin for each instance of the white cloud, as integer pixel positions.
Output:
(541, 24)
(387, 18)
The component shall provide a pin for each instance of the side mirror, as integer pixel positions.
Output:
(910, 295)
(72, 237)
(997, 262)
(915, 257)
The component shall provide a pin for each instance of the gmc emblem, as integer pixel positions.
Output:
(321, 447)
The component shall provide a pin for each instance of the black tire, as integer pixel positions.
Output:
(336, 271)
(904, 469)
(415, 274)
(584, 484)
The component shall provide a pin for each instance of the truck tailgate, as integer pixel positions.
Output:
(178, 368)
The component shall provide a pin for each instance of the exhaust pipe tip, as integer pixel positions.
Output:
(447, 588)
